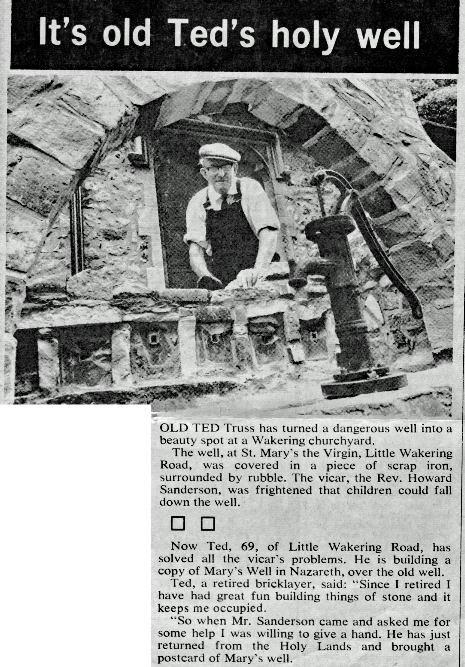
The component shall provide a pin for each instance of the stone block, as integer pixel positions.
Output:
(148, 308)
(242, 348)
(291, 325)
(37, 181)
(69, 315)
(404, 188)
(307, 89)
(240, 316)
(391, 300)
(15, 291)
(49, 360)
(438, 315)
(350, 127)
(21, 87)
(49, 126)
(187, 345)
(137, 88)
(105, 283)
(396, 227)
(264, 289)
(91, 98)
(314, 309)
(213, 314)
(384, 282)
(120, 356)
(52, 283)
(379, 155)
(274, 109)
(130, 290)
(414, 259)
(85, 356)
(155, 353)
(371, 284)
(330, 148)
(10, 343)
(25, 231)
(296, 352)
(185, 295)
(156, 278)
(218, 98)
(184, 103)
(243, 352)
(372, 313)
(444, 244)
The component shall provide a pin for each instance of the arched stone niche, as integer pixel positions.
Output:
(61, 128)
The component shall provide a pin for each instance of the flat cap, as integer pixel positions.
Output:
(219, 152)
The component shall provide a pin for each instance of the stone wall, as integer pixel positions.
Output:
(114, 252)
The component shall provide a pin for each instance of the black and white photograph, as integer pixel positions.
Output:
(240, 246)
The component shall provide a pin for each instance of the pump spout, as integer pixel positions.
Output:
(317, 266)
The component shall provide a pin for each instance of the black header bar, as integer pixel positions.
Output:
(414, 36)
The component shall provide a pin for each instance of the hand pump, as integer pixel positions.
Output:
(359, 374)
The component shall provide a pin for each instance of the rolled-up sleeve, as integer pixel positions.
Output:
(257, 207)
(195, 222)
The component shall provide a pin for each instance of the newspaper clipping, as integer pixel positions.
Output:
(244, 218)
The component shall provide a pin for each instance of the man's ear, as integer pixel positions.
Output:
(203, 171)
(235, 167)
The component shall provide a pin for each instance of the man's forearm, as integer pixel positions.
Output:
(197, 260)
(267, 240)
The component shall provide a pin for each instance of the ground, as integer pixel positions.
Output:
(427, 395)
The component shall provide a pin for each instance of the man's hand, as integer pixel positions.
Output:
(246, 278)
(206, 280)
(209, 282)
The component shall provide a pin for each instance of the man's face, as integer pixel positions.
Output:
(219, 174)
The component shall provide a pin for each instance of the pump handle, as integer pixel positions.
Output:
(349, 203)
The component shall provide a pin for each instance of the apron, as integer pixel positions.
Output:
(234, 245)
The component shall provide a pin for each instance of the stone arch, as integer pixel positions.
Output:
(61, 127)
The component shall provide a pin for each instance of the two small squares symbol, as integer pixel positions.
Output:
(178, 523)
(207, 523)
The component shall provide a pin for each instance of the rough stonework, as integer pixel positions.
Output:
(155, 351)
(52, 267)
(437, 101)
(85, 356)
(112, 206)
(69, 130)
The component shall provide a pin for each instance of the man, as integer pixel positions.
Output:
(231, 220)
